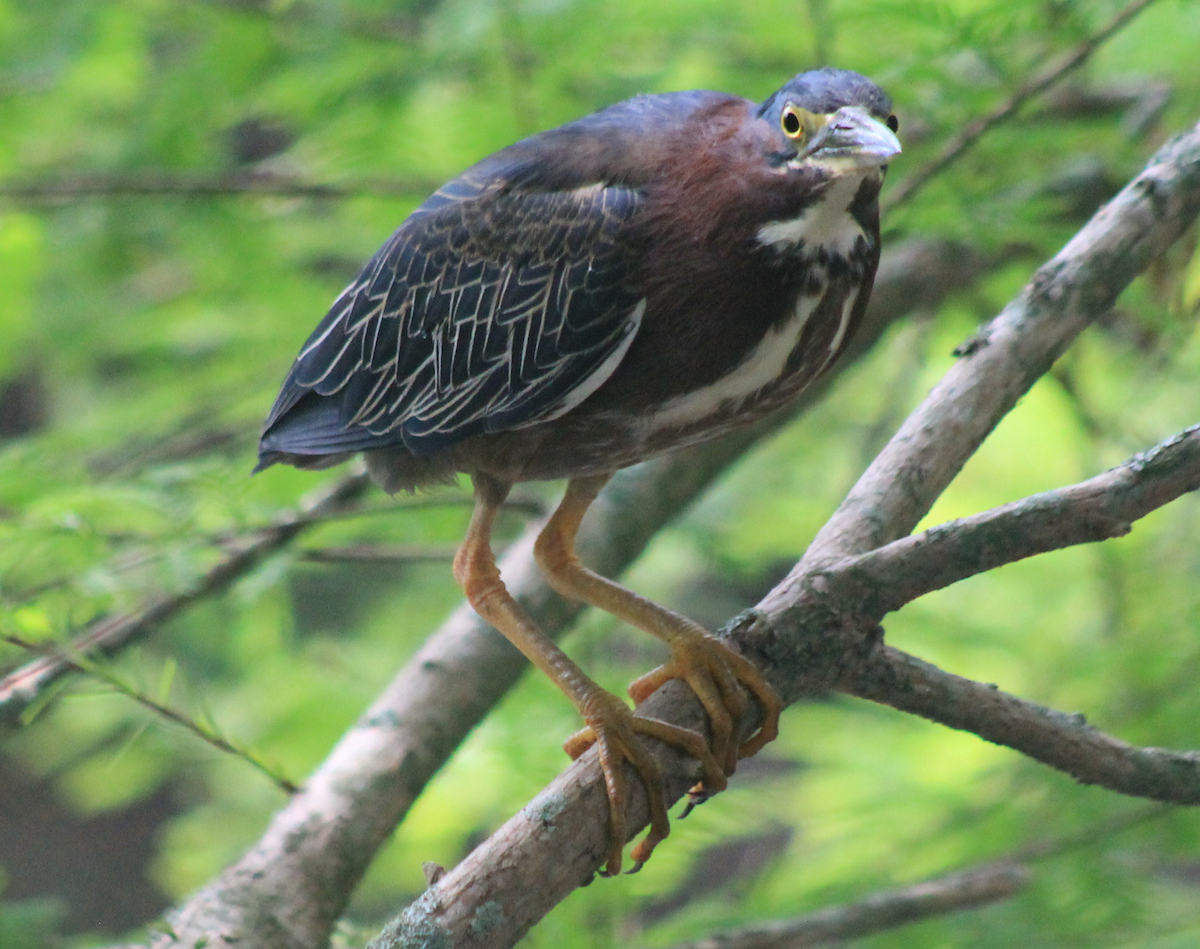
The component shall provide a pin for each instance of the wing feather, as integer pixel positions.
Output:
(506, 299)
(484, 312)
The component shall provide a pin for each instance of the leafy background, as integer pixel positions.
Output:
(156, 279)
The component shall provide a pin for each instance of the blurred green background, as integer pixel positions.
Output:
(159, 268)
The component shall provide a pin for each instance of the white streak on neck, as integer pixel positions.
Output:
(826, 224)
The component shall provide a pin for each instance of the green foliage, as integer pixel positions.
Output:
(156, 327)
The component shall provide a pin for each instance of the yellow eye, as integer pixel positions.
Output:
(792, 121)
(798, 124)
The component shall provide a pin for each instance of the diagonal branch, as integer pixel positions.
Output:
(1062, 741)
(862, 589)
(291, 887)
(204, 731)
(972, 888)
(245, 550)
(881, 581)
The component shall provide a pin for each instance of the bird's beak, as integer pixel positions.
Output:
(852, 135)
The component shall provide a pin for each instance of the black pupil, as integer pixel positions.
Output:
(791, 123)
(893, 123)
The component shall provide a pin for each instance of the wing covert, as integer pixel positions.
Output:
(488, 309)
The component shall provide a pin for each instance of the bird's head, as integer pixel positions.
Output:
(832, 119)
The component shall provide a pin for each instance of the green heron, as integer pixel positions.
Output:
(648, 277)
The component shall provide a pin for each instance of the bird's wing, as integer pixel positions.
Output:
(491, 308)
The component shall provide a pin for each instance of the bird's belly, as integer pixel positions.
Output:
(591, 440)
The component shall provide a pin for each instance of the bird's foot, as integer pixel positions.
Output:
(616, 731)
(716, 674)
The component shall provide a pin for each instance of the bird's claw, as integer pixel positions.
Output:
(616, 731)
(696, 795)
(716, 674)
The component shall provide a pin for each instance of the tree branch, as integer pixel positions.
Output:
(954, 892)
(881, 581)
(1062, 741)
(964, 889)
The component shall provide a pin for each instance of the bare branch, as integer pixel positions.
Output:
(973, 888)
(952, 893)
(1062, 741)
(881, 581)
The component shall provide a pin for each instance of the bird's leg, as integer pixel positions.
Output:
(711, 668)
(610, 722)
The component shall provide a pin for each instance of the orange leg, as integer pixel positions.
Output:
(610, 722)
(711, 668)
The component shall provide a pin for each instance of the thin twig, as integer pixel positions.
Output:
(1035, 85)
(205, 733)
(153, 184)
(20, 688)
(380, 553)
(889, 909)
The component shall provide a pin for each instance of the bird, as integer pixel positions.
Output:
(648, 277)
